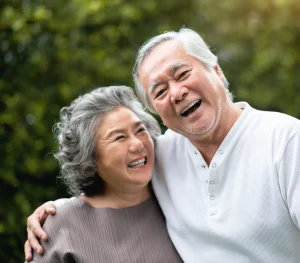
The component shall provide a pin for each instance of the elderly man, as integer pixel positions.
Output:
(227, 175)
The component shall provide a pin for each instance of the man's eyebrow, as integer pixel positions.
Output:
(178, 66)
(153, 86)
(172, 71)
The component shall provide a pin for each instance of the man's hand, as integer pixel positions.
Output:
(35, 231)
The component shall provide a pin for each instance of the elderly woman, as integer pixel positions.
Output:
(106, 156)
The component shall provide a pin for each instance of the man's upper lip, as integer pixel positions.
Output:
(187, 106)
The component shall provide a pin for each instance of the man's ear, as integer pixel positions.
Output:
(219, 72)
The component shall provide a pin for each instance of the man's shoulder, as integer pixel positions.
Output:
(279, 121)
(170, 137)
(270, 119)
(273, 126)
(169, 144)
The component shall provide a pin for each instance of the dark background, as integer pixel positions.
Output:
(53, 51)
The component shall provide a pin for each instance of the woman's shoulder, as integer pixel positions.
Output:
(65, 214)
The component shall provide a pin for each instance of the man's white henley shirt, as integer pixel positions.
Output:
(244, 206)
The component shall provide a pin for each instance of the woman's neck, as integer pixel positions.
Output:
(118, 199)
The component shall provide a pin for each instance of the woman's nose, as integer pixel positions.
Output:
(136, 145)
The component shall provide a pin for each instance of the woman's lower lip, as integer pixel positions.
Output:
(139, 167)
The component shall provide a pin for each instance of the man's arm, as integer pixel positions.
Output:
(289, 177)
(34, 227)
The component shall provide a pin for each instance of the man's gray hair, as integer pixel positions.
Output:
(77, 130)
(193, 45)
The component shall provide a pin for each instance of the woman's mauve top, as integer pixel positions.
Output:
(83, 234)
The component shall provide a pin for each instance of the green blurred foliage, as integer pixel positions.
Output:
(53, 51)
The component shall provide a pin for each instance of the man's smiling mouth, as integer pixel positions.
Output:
(191, 108)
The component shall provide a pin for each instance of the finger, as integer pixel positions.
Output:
(50, 208)
(34, 226)
(28, 251)
(35, 231)
(34, 242)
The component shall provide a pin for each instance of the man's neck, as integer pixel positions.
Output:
(209, 144)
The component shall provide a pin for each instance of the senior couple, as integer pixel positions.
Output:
(226, 176)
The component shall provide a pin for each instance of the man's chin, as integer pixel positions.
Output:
(200, 130)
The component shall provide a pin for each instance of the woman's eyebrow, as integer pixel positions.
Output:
(114, 132)
(117, 131)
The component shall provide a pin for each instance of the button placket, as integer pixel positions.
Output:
(202, 168)
(212, 185)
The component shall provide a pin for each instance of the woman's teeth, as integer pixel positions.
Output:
(138, 163)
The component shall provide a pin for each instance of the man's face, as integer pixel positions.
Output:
(188, 97)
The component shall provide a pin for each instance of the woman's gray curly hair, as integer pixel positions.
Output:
(76, 134)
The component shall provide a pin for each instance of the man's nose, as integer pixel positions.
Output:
(178, 92)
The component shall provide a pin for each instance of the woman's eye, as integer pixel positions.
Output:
(141, 130)
(159, 93)
(119, 137)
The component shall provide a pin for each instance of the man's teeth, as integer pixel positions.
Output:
(138, 163)
(189, 106)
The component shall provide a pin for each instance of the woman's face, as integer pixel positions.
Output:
(125, 150)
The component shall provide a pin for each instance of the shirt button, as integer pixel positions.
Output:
(214, 165)
(211, 181)
(203, 166)
(212, 197)
(221, 152)
(195, 152)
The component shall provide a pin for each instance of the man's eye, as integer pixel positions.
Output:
(159, 93)
(183, 74)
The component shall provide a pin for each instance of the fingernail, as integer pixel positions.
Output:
(42, 237)
(37, 250)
